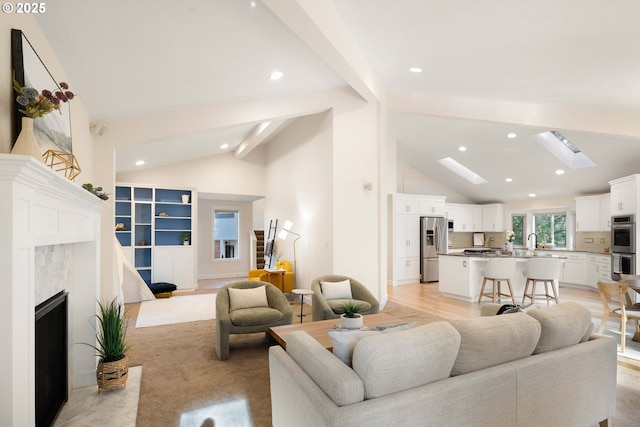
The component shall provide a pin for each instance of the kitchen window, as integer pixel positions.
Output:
(551, 228)
(518, 226)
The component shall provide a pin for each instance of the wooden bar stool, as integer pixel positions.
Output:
(545, 270)
(498, 270)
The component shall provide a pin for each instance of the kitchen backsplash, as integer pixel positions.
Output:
(593, 241)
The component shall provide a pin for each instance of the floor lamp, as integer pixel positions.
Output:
(286, 229)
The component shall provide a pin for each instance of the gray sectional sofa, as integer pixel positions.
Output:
(540, 368)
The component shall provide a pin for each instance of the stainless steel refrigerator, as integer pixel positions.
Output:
(433, 241)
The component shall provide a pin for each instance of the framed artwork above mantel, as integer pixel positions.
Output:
(53, 131)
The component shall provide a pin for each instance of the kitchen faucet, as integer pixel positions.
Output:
(535, 239)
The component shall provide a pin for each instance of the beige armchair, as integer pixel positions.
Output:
(235, 315)
(323, 308)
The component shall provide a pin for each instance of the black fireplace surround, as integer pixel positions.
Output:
(52, 366)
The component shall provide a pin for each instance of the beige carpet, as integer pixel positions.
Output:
(177, 309)
(184, 384)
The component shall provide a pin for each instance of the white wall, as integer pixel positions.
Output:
(412, 181)
(81, 137)
(208, 269)
(299, 187)
(223, 174)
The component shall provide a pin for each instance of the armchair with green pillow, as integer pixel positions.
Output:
(331, 291)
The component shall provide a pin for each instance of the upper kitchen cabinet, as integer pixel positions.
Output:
(623, 195)
(493, 217)
(590, 211)
(408, 204)
(432, 206)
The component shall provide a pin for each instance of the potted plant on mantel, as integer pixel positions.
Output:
(351, 317)
(111, 329)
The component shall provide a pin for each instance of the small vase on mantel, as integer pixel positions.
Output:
(27, 144)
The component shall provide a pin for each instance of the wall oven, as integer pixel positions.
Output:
(623, 234)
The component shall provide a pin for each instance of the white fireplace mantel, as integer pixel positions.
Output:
(42, 208)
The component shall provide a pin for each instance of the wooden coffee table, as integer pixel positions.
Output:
(319, 330)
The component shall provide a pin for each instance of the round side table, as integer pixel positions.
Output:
(302, 293)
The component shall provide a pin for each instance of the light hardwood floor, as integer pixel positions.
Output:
(426, 297)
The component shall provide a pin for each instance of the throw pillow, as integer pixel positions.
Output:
(344, 340)
(337, 290)
(248, 298)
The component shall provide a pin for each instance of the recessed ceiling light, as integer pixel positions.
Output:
(252, 4)
(511, 135)
(224, 146)
(462, 148)
(463, 171)
(140, 163)
(276, 75)
(559, 172)
(509, 179)
(532, 194)
(415, 69)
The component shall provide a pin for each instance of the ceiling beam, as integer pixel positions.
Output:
(321, 27)
(520, 113)
(259, 134)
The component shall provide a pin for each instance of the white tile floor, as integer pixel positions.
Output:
(109, 408)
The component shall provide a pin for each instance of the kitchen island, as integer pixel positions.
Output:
(461, 276)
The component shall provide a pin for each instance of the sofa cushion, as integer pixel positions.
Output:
(337, 290)
(562, 325)
(493, 340)
(247, 298)
(254, 316)
(335, 378)
(344, 340)
(388, 363)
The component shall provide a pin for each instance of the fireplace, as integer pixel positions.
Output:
(50, 230)
(52, 358)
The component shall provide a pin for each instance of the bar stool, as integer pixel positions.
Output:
(498, 270)
(545, 270)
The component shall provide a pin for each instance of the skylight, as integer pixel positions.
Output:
(558, 145)
(463, 171)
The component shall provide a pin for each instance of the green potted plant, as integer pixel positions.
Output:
(351, 317)
(186, 238)
(111, 330)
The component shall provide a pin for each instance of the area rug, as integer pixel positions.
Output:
(177, 309)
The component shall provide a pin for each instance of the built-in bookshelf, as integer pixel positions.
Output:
(147, 218)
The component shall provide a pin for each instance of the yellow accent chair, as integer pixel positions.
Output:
(288, 280)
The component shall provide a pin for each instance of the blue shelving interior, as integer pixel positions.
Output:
(146, 276)
(143, 194)
(124, 238)
(173, 210)
(123, 193)
(143, 257)
(143, 234)
(174, 196)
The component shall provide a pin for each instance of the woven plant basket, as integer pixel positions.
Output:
(112, 374)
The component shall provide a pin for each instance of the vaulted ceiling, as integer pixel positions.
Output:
(489, 68)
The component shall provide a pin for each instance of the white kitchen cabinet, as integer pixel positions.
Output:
(575, 268)
(588, 213)
(476, 217)
(407, 204)
(593, 213)
(406, 239)
(598, 269)
(462, 218)
(623, 195)
(605, 213)
(493, 217)
(432, 206)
